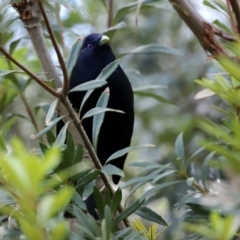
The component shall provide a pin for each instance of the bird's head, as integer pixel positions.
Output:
(94, 42)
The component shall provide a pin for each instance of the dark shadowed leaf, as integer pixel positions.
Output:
(99, 200)
(149, 215)
(128, 211)
(51, 138)
(117, 197)
(88, 178)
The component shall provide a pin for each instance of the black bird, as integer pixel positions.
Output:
(117, 128)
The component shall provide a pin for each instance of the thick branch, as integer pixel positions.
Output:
(55, 45)
(200, 28)
(236, 10)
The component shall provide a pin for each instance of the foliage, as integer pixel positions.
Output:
(198, 176)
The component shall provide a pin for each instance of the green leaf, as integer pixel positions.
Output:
(128, 211)
(45, 130)
(184, 199)
(205, 169)
(144, 179)
(62, 135)
(88, 178)
(179, 148)
(98, 119)
(4, 73)
(159, 177)
(112, 30)
(99, 110)
(129, 8)
(152, 49)
(51, 138)
(51, 111)
(112, 170)
(93, 84)
(73, 55)
(108, 70)
(98, 200)
(43, 147)
(149, 87)
(127, 150)
(231, 67)
(149, 215)
(108, 225)
(158, 188)
(154, 96)
(78, 200)
(222, 26)
(78, 154)
(86, 96)
(116, 200)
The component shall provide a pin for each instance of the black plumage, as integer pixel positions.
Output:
(116, 130)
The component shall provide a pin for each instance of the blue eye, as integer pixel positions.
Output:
(89, 45)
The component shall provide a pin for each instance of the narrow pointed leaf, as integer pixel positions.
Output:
(151, 49)
(62, 135)
(127, 150)
(110, 169)
(73, 55)
(99, 110)
(128, 211)
(108, 70)
(117, 198)
(205, 167)
(86, 96)
(149, 215)
(98, 119)
(89, 85)
(179, 148)
(53, 123)
(51, 111)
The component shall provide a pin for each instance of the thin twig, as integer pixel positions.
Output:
(223, 35)
(236, 10)
(32, 75)
(110, 13)
(231, 17)
(55, 45)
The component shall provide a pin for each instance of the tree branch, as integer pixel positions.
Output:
(37, 79)
(200, 28)
(236, 10)
(110, 13)
(55, 45)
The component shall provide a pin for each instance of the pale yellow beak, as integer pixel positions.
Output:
(104, 40)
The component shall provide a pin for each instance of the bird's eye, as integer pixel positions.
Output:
(89, 45)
